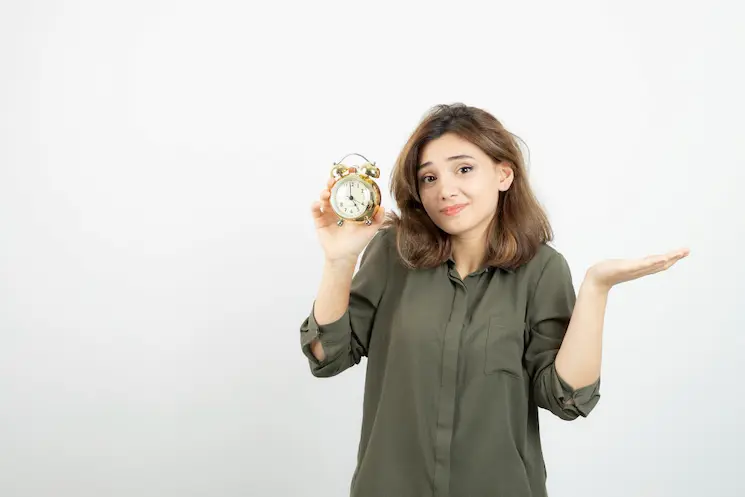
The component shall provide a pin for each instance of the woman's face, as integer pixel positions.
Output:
(459, 185)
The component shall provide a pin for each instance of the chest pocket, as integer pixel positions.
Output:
(504, 346)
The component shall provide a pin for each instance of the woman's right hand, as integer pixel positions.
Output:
(342, 243)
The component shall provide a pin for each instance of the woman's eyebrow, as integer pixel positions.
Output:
(455, 157)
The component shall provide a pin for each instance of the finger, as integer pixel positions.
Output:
(655, 263)
(655, 259)
(326, 206)
(674, 255)
(651, 263)
(316, 210)
(330, 182)
(645, 266)
(659, 263)
(665, 262)
(321, 218)
(324, 197)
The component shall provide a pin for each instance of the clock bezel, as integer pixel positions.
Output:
(371, 186)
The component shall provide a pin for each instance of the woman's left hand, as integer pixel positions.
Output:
(611, 272)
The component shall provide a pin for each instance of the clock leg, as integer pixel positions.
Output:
(340, 222)
(368, 221)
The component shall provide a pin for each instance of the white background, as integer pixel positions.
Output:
(157, 257)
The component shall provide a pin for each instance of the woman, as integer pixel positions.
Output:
(467, 317)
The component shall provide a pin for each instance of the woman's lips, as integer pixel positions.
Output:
(453, 209)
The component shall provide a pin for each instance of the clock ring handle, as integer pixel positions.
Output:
(353, 153)
(369, 168)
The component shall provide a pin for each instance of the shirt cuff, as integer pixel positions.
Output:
(334, 337)
(579, 401)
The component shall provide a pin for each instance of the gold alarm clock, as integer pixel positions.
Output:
(354, 195)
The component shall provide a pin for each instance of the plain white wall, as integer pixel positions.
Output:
(157, 257)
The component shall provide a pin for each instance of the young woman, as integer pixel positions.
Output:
(468, 318)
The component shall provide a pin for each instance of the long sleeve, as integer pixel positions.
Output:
(346, 340)
(549, 312)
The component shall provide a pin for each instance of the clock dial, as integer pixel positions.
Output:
(352, 197)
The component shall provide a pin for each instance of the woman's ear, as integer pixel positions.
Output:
(506, 176)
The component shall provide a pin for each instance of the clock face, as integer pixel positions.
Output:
(351, 197)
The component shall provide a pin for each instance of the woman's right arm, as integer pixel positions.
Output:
(333, 297)
(336, 334)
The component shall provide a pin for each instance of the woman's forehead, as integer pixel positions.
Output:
(446, 149)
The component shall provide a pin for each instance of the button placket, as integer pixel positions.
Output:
(448, 386)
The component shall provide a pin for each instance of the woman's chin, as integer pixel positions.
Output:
(454, 226)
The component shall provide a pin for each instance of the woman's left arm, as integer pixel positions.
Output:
(579, 357)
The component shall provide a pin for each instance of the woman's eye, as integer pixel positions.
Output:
(426, 179)
(466, 167)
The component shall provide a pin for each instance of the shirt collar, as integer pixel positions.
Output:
(451, 264)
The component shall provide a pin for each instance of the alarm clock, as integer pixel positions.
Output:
(355, 196)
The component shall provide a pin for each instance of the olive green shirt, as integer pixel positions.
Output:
(456, 371)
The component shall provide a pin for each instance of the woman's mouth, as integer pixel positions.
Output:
(453, 209)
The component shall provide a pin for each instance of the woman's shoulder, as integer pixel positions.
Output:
(386, 235)
(383, 241)
(388, 232)
(384, 244)
(546, 255)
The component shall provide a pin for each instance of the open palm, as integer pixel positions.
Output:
(614, 271)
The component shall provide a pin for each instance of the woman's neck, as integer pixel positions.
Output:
(468, 251)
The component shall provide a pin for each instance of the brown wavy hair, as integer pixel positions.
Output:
(519, 226)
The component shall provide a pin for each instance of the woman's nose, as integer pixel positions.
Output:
(447, 189)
